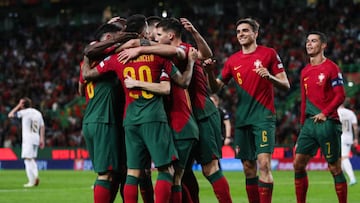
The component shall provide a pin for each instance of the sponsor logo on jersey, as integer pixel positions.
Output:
(237, 67)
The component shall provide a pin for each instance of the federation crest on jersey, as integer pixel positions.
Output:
(257, 63)
(321, 78)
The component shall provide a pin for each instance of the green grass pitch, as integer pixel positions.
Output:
(62, 186)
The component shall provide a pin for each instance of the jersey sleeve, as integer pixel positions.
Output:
(164, 76)
(106, 65)
(337, 84)
(225, 74)
(303, 100)
(169, 67)
(353, 118)
(276, 63)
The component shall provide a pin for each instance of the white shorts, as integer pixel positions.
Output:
(29, 151)
(345, 149)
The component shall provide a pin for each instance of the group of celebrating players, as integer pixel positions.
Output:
(148, 102)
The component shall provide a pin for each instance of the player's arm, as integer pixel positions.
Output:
(280, 80)
(135, 43)
(158, 49)
(81, 89)
(214, 83)
(204, 50)
(161, 88)
(42, 137)
(16, 108)
(303, 100)
(181, 79)
(227, 124)
(87, 72)
(97, 49)
(184, 79)
(356, 134)
(336, 101)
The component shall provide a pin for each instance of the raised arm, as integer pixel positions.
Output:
(214, 83)
(98, 50)
(184, 79)
(19, 106)
(204, 50)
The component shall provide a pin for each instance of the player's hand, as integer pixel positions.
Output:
(187, 25)
(128, 54)
(209, 65)
(356, 143)
(113, 20)
(227, 141)
(130, 82)
(262, 71)
(42, 145)
(319, 118)
(21, 103)
(192, 55)
(86, 59)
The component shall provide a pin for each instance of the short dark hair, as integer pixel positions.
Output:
(252, 22)
(171, 24)
(135, 23)
(321, 35)
(27, 103)
(105, 28)
(152, 20)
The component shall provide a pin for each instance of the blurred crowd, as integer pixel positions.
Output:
(43, 63)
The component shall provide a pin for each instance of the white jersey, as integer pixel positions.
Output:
(347, 119)
(31, 121)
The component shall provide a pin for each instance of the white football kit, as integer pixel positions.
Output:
(31, 122)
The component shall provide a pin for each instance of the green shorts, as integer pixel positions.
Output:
(184, 149)
(105, 143)
(209, 132)
(251, 140)
(149, 139)
(326, 135)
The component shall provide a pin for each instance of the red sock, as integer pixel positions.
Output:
(176, 194)
(341, 192)
(162, 191)
(186, 195)
(301, 187)
(252, 190)
(101, 194)
(222, 190)
(130, 193)
(192, 186)
(265, 192)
